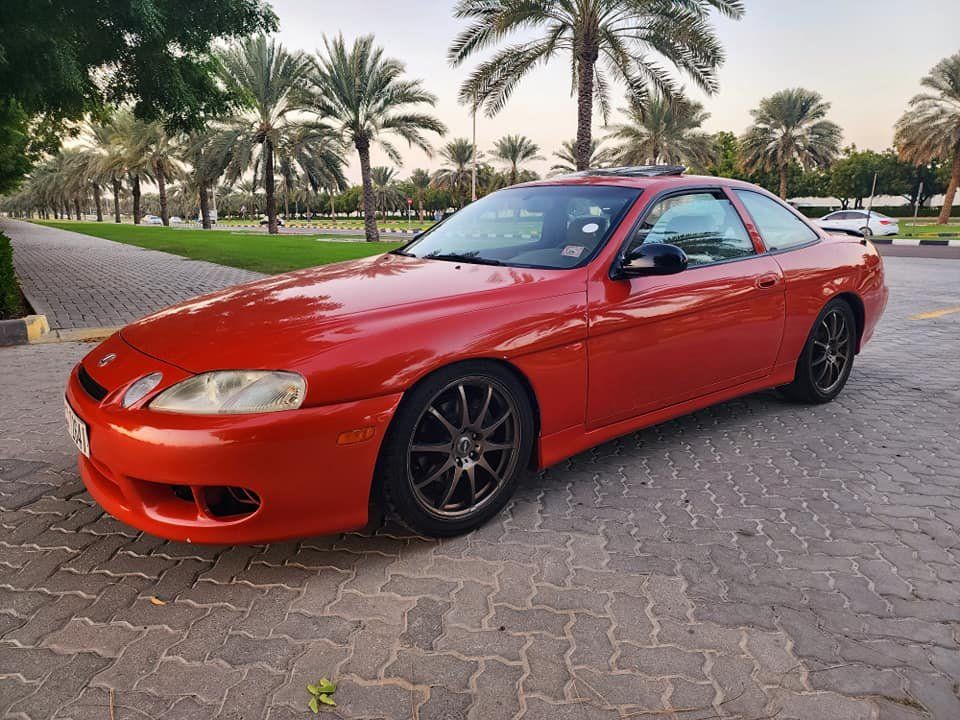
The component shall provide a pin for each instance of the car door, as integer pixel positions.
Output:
(659, 340)
(842, 220)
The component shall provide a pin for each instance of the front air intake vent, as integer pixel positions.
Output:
(94, 389)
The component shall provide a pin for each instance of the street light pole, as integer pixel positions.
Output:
(473, 174)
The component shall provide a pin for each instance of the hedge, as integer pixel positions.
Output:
(899, 211)
(9, 288)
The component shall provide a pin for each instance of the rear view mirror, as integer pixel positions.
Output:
(651, 259)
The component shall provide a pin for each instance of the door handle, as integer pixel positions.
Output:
(766, 281)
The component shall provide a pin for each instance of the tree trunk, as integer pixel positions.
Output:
(420, 207)
(270, 187)
(513, 173)
(204, 206)
(96, 201)
(116, 199)
(135, 192)
(585, 64)
(783, 182)
(369, 202)
(76, 208)
(162, 190)
(951, 190)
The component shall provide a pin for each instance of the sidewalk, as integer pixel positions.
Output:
(79, 281)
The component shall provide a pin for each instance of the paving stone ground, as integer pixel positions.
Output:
(79, 281)
(754, 560)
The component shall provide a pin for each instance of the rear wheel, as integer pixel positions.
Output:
(456, 448)
(866, 232)
(827, 357)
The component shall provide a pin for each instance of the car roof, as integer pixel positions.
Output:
(644, 177)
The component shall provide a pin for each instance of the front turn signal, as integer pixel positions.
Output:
(349, 437)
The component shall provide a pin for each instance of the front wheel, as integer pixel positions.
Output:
(866, 232)
(827, 357)
(456, 448)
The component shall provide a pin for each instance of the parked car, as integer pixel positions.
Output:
(176, 220)
(152, 220)
(430, 378)
(265, 221)
(857, 221)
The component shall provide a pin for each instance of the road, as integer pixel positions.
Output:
(754, 560)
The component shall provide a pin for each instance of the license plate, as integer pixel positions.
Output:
(77, 429)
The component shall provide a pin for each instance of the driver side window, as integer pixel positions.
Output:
(705, 225)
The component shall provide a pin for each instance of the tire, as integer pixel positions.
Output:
(827, 357)
(866, 232)
(444, 472)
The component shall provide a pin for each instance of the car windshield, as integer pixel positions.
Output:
(543, 226)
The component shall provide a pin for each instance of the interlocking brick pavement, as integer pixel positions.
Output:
(81, 281)
(754, 560)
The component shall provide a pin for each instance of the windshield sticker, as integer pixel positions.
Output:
(574, 251)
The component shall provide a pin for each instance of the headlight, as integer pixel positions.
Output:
(136, 392)
(233, 392)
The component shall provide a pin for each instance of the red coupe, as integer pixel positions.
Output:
(535, 323)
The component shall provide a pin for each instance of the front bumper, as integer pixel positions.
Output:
(154, 470)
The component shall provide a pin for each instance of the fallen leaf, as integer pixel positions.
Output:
(156, 601)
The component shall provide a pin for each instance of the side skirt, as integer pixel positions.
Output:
(567, 443)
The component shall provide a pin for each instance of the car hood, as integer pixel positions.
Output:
(281, 321)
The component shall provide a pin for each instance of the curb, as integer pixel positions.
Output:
(23, 330)
(915, 242)
(93, 334)
(299, 226)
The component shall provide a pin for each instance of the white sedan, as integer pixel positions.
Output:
(860, 221)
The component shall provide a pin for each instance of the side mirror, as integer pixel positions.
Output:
(652, 259)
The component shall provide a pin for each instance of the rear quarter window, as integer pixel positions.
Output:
(779, 227)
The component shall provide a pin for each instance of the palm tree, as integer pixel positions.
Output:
(790, 126)
(456, 174)
(129, 135)
(930, 130)
(248, 197)
(205, 169)
(421, 180)
(387, 195)
(48, 185)
(268, 78)
(366, 96)
(514, 150)
(567, 155)
(100, 142)
(87, 173)
(98, 163)
(318, 152)
(604, 39)
(664, 130)
(161, 151)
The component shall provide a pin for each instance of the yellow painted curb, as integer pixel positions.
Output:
(76, 335)
(37, 327)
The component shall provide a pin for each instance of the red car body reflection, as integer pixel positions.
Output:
(593, 352)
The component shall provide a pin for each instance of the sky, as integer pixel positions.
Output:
(865, 56)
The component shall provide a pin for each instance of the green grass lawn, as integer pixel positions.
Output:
(340, 223)
(251, 251)
(924, 228)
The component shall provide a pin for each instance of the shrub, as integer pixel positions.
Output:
(899, 211)
(9, 288)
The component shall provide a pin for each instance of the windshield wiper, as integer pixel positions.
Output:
(463, 257)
